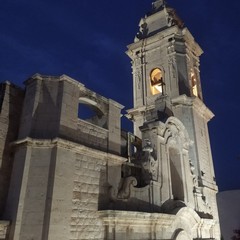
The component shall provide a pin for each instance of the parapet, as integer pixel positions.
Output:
(59, 106)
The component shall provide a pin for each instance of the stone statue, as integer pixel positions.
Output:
(149, 162)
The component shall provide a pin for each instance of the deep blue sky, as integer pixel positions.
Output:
(86, 39)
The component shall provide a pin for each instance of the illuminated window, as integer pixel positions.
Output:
(194, 84)
(156, 78)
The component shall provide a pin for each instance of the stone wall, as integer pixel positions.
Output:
(57, 189)
(4, 228)
(90, 192)
(57, 184)
(11, 98)
(51, 109)
(69, 181)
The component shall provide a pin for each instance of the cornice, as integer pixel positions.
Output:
(39, 77)
(127, 218)
(196, 103)
(63, 77)
(68, 145)
(190, 41)
(156, 38)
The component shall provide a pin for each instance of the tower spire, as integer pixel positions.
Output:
(158, 4)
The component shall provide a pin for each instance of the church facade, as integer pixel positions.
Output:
(67, 176)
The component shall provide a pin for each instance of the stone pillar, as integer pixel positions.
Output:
(69, 107)
(114, 127)
(29, 194)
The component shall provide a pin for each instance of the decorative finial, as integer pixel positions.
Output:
(158, 4)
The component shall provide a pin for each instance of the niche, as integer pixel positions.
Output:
(176, 174)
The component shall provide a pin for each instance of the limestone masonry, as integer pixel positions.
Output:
(66, 176)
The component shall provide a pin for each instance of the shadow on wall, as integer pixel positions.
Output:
(47, 113)
(103, 197)
(11, 106)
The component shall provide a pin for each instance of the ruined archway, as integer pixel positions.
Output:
(90, 111)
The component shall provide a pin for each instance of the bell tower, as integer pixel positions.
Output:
(165, 64)
(169, 112)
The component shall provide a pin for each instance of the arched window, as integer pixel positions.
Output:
(194, 84)
(156, 81)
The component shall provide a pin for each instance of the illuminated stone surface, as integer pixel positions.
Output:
(75, 176)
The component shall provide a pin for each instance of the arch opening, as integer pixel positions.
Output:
(156, 81)
(89, 111)
(180, 234)
(194, 83)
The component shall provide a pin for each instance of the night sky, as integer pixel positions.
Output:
(87, 39)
